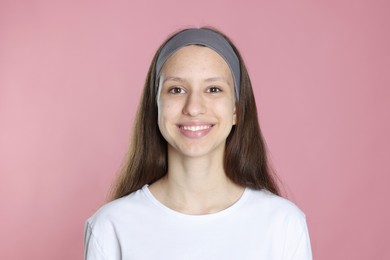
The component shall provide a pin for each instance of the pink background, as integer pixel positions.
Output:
(71, 74)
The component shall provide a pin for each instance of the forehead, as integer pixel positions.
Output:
(195, 54)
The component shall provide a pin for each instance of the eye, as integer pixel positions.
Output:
(214, 89)
(176, 90)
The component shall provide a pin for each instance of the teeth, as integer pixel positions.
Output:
(196, 128)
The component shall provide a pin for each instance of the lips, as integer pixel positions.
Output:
(195, 127)
(196, 130)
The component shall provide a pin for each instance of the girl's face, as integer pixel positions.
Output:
(196, 103)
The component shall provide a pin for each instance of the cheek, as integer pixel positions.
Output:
(166, 110)
(227, 111)
(160, 113)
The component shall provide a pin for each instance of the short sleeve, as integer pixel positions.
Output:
(298, 241)
(92, 250)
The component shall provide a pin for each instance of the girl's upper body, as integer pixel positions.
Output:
(259, 226)
(197, 184)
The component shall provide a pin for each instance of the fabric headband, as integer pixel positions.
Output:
(206, 38)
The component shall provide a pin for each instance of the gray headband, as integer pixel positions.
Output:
(207, 38)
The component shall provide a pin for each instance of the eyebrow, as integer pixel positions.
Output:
(217, 79)
(177, 79)
(181, 80)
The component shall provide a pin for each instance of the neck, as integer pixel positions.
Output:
(196, 185)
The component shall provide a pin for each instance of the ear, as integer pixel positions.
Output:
(234, 115)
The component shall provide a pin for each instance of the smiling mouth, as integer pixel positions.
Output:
(195, 128)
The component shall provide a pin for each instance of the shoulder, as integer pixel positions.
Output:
(113, 223)
(101, 237)
(283, 221)
(116, 211)
(273, 206)
(278, 214)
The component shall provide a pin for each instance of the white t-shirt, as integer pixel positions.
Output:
(258, 226)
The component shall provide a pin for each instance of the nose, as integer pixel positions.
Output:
(194, 105)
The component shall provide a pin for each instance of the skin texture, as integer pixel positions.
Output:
(196, 112)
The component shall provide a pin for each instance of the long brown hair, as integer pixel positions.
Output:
(245, 159)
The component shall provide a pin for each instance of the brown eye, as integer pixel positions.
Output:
(176, 90)
(214, 89)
